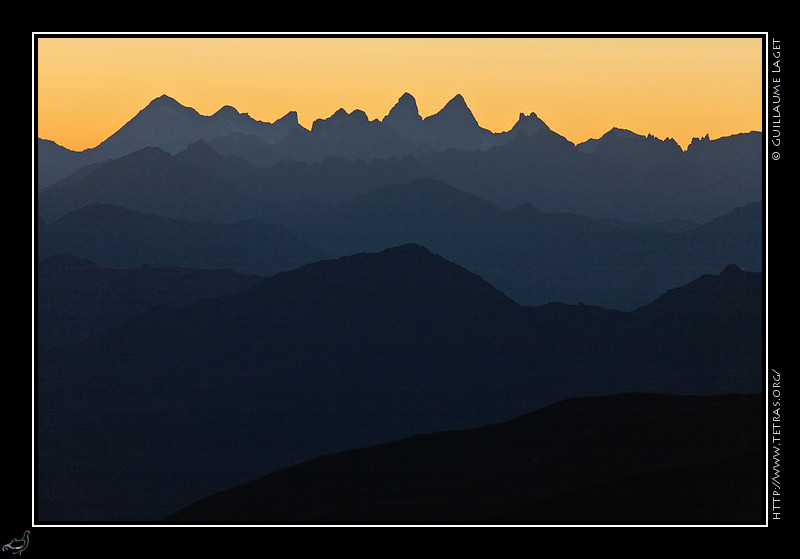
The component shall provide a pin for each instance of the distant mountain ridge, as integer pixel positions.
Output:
(173, 126)
(538, 178)
(540, 169)
(116, 237)
(343, 207)
(167, 124)
(533, 256)
(538, 257)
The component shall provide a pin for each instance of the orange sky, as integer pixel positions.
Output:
(88, 87)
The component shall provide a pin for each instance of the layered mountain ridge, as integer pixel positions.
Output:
(219, 298)
(533, 256)
(346, 353)
(592, 178)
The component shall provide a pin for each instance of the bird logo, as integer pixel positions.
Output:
(17, 546)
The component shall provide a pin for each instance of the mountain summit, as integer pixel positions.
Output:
(165, 103)
(171, 126)
(455, 126)
(455, 112)
(529, 123)
(453, 116)
(404, 117)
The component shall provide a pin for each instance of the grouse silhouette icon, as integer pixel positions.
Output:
(17, 546)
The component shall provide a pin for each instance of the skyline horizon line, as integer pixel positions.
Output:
(87, 88)
(521, 114)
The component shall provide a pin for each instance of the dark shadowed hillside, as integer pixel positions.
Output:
(630, 459)
(182, 402)
(538, 257)
(76, 298)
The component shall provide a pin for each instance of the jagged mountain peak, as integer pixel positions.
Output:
(404, 117)
(704, 139)
(341, 117)
(406, 107)
(529, 123)
(289, 118)
(455, 109)
(407, 98)
(457, 101)
(616, 138)
(356, 114)
(454, 126)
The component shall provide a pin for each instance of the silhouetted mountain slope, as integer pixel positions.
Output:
(151, 181)
(404, 118)
(341, 354)
(624, 458)
(718, 296)
(641, 179)
(541, 168)
(537, 257)
(224, 168)
(117, 237)
(76, 298)
(455, 127)
(201, 184)
(397, 306)
(352, 136)
(166, 124)
(618, 143)
(738, 157)
(54, 162)
(712, 323)
(735, 237)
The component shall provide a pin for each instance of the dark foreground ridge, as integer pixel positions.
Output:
(623, 459)
(177, 403)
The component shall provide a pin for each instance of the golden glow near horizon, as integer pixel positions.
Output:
(88, 87)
